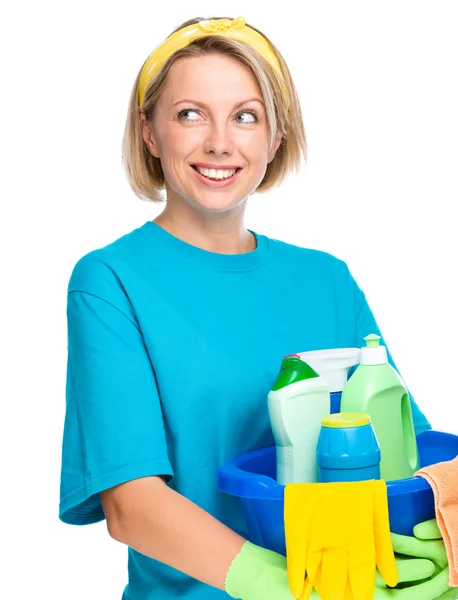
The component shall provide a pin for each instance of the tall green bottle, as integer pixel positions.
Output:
(377, 389)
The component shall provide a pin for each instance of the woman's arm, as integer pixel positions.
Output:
(157, 521)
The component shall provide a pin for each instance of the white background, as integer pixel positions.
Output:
(378, 87)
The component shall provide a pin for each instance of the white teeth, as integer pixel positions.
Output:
(216, 174)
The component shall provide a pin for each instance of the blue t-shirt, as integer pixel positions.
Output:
(172, 351)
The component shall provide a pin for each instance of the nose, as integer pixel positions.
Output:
(219, 139)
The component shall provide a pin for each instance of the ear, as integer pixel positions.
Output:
(148, 135)
(275, 148)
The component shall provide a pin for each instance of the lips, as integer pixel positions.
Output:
(216, 169)
(216, 183)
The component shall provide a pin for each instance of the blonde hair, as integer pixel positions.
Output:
(144, 171)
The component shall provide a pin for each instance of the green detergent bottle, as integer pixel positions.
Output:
(376, 388)
(297, 402)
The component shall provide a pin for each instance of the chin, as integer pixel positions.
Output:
(218, 203)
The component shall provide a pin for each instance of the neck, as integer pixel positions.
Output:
(223, 236)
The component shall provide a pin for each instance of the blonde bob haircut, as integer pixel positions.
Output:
(144, 171)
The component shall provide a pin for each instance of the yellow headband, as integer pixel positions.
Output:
(235, 29)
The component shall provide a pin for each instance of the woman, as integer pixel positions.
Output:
(176, 330)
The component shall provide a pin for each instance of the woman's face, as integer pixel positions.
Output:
(210, 111)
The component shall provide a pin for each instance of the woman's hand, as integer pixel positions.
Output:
(260, 574)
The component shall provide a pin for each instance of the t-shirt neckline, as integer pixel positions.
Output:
(215, 260)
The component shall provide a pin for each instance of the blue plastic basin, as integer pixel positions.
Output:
(251, 477)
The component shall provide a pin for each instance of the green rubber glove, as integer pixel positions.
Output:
(260, 574)
(427, 543)
(411, 570)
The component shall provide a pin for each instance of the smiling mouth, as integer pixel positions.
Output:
(221, 169)
(221, 182)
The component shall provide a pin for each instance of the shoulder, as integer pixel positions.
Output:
(98, 271)
(310, 258)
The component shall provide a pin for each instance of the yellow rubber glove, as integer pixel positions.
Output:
(341, 532)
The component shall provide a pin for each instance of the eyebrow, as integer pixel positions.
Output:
(188, 100)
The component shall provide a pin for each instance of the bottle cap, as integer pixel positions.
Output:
(293, 369)
(346, 419)
(373, 353)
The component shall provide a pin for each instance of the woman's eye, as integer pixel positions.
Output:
(252, 116)
(183, 112)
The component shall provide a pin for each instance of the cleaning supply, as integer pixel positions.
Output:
(427, 543)
(260, 574)
(333, 366)
(343, 529)
(296, 404)
(377, 389)
(414, 574)
(257, 574)
(443, 479)
(347, 448)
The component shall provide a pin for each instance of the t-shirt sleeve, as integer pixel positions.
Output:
(114, 428)
(365, 325)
